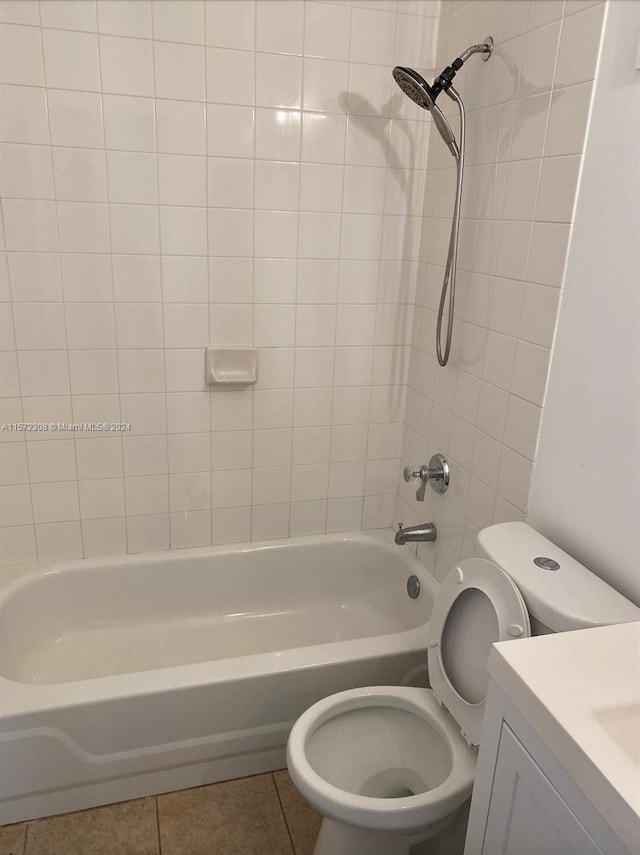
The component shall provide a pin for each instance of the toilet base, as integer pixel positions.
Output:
(338, 838)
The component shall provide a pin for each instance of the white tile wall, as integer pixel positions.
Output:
(174, 174)
(527, 111)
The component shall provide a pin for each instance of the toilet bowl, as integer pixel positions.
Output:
(390, 767)
(392, 760)
(386, 759)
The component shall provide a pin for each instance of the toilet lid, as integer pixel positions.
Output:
(477, 605)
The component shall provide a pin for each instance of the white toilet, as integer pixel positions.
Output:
(389, 767)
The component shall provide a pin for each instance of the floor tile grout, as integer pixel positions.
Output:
(291, 832)
(284, 814)
(155, 799)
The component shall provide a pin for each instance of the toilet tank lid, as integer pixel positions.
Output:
(563, 598)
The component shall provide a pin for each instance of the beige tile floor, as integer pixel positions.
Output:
(261, 815)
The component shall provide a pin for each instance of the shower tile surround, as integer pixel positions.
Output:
(174, 175)
(527, 112)
(178, 174)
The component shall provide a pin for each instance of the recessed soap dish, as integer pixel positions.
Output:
(231, 367)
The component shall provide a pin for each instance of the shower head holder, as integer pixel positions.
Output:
(444, 80)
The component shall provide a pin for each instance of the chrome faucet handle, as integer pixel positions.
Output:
(437, 473)
(422, 473)
(411, 474)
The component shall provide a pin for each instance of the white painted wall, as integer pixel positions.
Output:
(586, 484)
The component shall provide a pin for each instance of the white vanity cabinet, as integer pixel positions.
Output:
(526, 811)
(524, 801)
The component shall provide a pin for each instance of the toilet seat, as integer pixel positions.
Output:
(403, 814)
(477, 605)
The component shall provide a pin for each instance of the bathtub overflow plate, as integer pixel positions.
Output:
(413, 587)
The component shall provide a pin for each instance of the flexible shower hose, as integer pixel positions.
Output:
(449, 281)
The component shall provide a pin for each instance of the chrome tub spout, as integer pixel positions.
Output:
(416, 533)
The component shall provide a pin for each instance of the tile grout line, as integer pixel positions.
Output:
(296, 347)
(340, 259)
(284, 814)
(209, 269)
(157, 807)
(161, 254)
(64, 306)
(15, 338)
(116, 349)
(25, 837)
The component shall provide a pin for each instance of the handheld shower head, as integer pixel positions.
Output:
(416, 87)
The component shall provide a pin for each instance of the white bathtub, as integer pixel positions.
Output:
(128, 676)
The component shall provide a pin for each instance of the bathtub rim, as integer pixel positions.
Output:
(13, 577)
(20, 698)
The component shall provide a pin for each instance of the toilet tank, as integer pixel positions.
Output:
(560, 593)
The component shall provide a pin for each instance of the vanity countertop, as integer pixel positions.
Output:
(581, 692)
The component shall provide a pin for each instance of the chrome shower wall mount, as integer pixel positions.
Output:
(421, 93)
